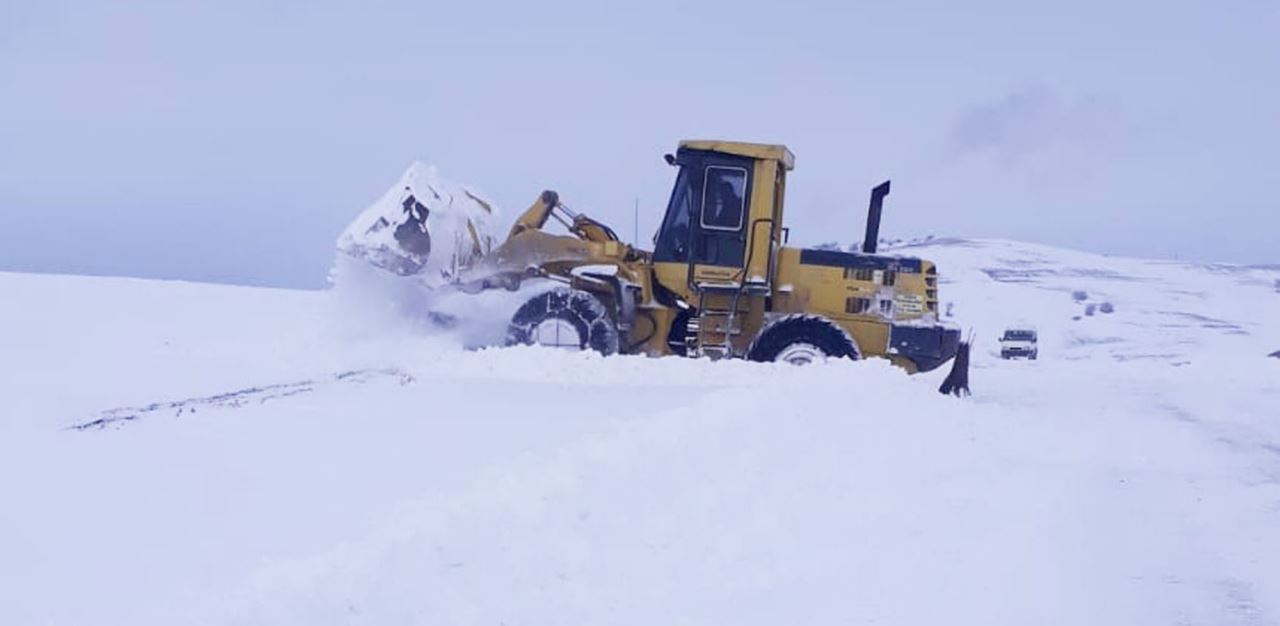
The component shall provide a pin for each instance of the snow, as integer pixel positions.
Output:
(320, 458)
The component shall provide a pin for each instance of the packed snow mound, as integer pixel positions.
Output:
(456, 223)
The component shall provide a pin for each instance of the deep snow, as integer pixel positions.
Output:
(294, 457)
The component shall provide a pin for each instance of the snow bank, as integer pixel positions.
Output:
(843, 492)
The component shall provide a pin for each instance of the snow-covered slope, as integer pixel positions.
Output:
(1164, 311)
(265, 456)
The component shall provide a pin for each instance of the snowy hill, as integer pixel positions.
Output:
(256, 456)
(1164, 310)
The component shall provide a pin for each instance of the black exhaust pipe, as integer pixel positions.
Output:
(873, 217)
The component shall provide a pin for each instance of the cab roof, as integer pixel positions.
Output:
(776, 152)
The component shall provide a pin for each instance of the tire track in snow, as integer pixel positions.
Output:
(234, 399)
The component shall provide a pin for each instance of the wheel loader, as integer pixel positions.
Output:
(720, 280)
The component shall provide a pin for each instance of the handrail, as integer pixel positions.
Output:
(740, 276)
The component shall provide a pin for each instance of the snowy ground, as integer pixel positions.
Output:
(263, 457)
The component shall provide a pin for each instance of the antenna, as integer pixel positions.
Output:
(635, 234)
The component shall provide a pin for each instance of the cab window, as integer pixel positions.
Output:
(672, 242)
(724, 193)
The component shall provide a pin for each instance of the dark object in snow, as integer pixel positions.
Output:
(1275, 354)
(442, 320)
(234, 399)
(957, 381)
(1079, 296)
(1106, 307)
(1089, 309)
(412, 234)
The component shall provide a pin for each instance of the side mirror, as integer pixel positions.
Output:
(669, 158)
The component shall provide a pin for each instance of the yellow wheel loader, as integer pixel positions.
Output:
(720, 280)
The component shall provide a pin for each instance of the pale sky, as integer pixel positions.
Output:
(233, 140)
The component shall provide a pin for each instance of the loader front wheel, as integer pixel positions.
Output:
(564, 318)
(800, 340)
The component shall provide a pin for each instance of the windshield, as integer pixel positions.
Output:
(672, 240)
(1019, 335)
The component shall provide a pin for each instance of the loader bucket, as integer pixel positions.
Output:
(957, 381)
(424, 226)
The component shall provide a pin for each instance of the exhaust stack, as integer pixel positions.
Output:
(873, 217)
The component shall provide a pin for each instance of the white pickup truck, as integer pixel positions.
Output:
(1019, 342)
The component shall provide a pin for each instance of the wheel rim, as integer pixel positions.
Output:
(556, 333)
(800, 354)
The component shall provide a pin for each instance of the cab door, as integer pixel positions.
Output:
(702, 238)
(718, 234)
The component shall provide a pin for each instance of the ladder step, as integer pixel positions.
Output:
(715, 352)
(721, 330)
(710, 286)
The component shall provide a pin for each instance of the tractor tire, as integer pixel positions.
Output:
(564, 318)
(802, 339)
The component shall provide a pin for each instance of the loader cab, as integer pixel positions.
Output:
(723, 220)
(706, 216)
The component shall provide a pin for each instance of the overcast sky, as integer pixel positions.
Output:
(232, 141)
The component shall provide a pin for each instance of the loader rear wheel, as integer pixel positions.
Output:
(564, 318)
(800, 340)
